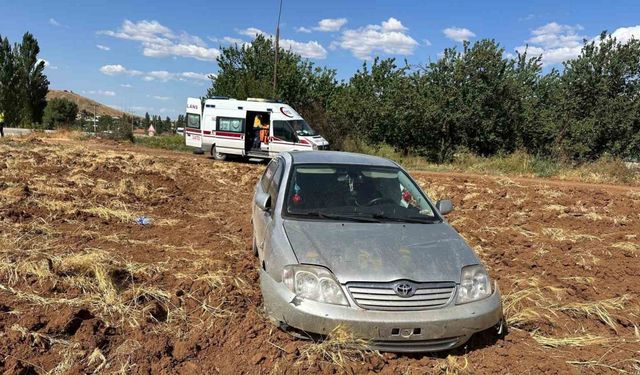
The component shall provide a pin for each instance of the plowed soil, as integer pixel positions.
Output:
(85, 289)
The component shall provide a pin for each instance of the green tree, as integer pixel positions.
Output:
(366, 106)
(33, 83)
(59, 112)
(180, 122)
(600, 102)
(8, 82)
(23, 84)
(146, 121)
(247, 71)
(106, 123)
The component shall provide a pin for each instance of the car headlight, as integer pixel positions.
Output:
(475, 284)
(314, 283)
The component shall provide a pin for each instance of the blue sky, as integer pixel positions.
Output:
(151, 55)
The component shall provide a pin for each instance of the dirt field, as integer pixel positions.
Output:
(84, 289)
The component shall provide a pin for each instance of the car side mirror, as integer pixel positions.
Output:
(263, 201)
(444, 206)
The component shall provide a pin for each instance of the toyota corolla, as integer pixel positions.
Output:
(351, 240)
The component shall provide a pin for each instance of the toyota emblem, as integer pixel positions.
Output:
(404, 289)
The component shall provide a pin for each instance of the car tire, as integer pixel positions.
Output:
(217, 155)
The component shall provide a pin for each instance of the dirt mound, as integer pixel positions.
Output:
(83, 288)
(85, 104)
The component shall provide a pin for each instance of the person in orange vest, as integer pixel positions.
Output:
(264, 133)
(257, 125)
(261, 130)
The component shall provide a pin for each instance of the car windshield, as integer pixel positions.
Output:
(356, 193)
(301, 127)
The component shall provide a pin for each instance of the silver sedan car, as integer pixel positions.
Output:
(351, 240)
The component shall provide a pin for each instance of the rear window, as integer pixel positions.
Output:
(193, 121)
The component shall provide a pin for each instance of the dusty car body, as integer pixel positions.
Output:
(386, 265)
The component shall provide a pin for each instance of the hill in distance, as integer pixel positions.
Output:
(86, 104)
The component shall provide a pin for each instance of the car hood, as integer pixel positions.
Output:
(380, 252)
(315, 139)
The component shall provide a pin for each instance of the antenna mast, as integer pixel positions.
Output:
(275, 64)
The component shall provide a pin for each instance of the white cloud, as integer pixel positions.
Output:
(389, 37)
(101, 92)
(195, 76)
(555, 42)
(393, 24)
(231, 40)
(158, 40)
(303, 29)
(116, 69)
(624, 34)
(138, 109)
(126, 85)
(161, 75)
(458, 34)
(161, 97)
(251, 31)
(53, 22)
(330, 24)
(104, 48)
(156, 75)
(311, 50)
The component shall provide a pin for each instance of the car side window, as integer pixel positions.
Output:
(274, 187)
(230, 124)
(282, 130)
(268, 174)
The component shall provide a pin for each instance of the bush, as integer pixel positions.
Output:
(167, 142)
(518, 163)
(120, 133)
(59, 112)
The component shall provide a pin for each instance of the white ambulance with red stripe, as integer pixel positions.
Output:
(223, 126)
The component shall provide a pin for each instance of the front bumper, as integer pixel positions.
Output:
(399, 331)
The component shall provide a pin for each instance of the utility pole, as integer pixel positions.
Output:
(275, 64)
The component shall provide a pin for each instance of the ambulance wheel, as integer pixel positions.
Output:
(217, 155)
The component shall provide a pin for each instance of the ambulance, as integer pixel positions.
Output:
(256, 128)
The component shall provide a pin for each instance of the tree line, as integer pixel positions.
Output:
(23, 84)
(161, 126)
(477, 99)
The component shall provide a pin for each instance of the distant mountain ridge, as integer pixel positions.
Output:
(86, 104)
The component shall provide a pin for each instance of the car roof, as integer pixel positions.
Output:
(338, 157)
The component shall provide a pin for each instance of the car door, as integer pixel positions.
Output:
(193, 136)
(283, 137)
(274, 188)
(259, 216)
